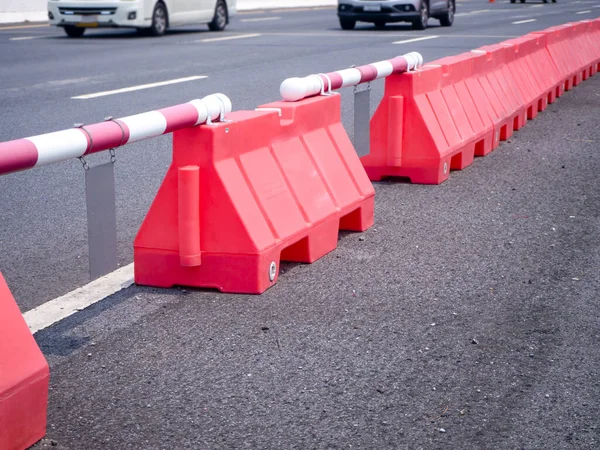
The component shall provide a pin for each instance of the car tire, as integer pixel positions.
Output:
(160, 20)
(513, 1)
(380, 24)
(421, 22)
(347, 24)
(523, 1)
(448, 18)
(220, 18)
(74, 32)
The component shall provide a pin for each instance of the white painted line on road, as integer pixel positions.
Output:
(406, 41)
(62, 307)
(260, 19)
(479, 11)
(18, 27)
(139, 88)
(241, 36)
(584, 12)
(537, 6)
(375, 34)
(524, 21)
(25, 38)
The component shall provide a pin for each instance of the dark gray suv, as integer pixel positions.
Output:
(380, 12)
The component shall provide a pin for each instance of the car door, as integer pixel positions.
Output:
(187, 12)
(437, 6)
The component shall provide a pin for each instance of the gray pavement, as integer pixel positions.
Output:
(469, 307)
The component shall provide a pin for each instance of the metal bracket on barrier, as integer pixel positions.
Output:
(110, 119)
(209, 120)
(277, 110)
(362, 119)
(84, 163)
(329, 92)
(82, 128)
(222, 114)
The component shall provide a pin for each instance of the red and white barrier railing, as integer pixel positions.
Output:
(44, 149)
(294, 89)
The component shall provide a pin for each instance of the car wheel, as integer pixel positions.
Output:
(159, 20)
(448, 18)
(347, 24)
(380, 24)
(220, 18)
(74, 32)
(421, 22)
(522, 1)
(513, 1)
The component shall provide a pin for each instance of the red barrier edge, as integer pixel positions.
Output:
(24, 377)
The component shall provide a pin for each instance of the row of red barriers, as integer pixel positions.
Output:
(278, 183)
(439, 118)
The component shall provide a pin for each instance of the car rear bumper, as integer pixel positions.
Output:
(379, 16)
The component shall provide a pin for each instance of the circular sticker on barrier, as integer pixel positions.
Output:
(272, 271)
(445, 168)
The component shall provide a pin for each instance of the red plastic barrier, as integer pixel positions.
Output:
(574, 50)
(240, 196)
(24, 377)
(436, 119)
(535, 73)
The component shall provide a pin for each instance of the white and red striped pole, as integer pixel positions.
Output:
(294, 89)
(44, 149)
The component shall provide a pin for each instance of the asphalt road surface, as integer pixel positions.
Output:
(465, 318)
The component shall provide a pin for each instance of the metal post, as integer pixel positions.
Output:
(362, 120)
(101, 217)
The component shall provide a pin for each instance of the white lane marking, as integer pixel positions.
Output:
(18, 27)
(479, 11)
(584, 12)
(228, 38)
(524, 21)
(389, 34)
(260, 19)
(62, 307)
(25, 38)
(406, 41)
(537, 6)
(138, 88)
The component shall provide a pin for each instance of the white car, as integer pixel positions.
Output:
(154, 16)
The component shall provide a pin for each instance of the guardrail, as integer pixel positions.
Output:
(295, 89)
(83, 140)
